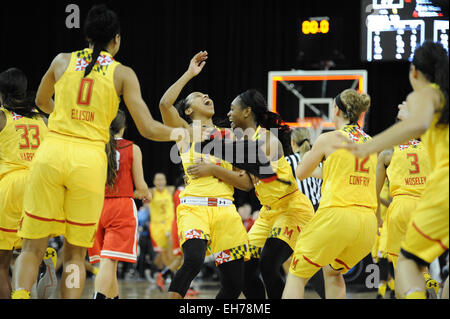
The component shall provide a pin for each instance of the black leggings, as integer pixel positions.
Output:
(231, 273)
(274, 253)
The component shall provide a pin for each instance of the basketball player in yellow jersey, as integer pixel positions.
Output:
(428, 117)
(285, 210)
(407, 167)
(343, 230)
(208, 222)
(22, 130)
(65, 193)
(161, 218)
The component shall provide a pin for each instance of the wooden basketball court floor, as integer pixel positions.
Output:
(143, 289)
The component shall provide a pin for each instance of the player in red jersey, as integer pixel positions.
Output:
(117, 234)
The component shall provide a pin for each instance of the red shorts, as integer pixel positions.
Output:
(117, 232)
(175, 239)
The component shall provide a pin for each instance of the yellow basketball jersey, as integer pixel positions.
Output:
(348, 180)
(408, 169)
(85, 107)
(436, 141)
(208, 186)
(19, 141)
(161, 206)
(269, 193)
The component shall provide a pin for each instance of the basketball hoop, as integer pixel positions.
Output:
(314, 124)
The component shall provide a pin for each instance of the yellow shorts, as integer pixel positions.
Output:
(66, 188)
(222, 227)
(336, 236)
(160, 231)
(427, 234)
(284, 221)
(12, 186)
(398, 218)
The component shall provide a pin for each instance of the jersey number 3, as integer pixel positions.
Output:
(414, 162)
(85, 92)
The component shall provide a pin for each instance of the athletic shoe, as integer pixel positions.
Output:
(160, 281)
(432, 288)
(47, 282)
(192, 292)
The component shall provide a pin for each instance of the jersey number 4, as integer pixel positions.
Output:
(85, 92)
(25, 142)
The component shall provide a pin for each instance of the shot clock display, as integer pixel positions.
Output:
(316, 25)
(319, 39)
(392, 29)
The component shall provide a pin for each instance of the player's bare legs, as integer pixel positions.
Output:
(334, 283)
(27, 264)
(294, 287)
(445, 290)
(74, 271)
(408, 278)
(5, 283)
(106, 279)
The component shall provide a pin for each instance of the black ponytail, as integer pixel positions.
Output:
(255, 100)
(95, 55)
(102, 25)
(14, 94)
(181, 107)
(432, 60)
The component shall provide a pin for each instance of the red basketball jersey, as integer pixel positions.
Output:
(123, 187)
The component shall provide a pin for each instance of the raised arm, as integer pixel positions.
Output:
(142, 192)
(146, 125)
(312, 160)
(169, 113)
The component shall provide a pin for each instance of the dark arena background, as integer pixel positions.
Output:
(245, 40)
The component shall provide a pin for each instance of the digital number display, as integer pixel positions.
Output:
(393, 29)
(315, 26)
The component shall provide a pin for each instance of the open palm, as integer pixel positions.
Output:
(198, 62)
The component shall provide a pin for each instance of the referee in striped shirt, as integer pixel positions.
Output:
(301, 143)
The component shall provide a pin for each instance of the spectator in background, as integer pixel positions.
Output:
(162, 213)
(146, 253)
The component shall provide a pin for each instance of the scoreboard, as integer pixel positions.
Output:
(392, 29)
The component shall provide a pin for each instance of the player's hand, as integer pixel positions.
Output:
(359, 150)
(197, 63)
(144, 196)
(201, 169)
